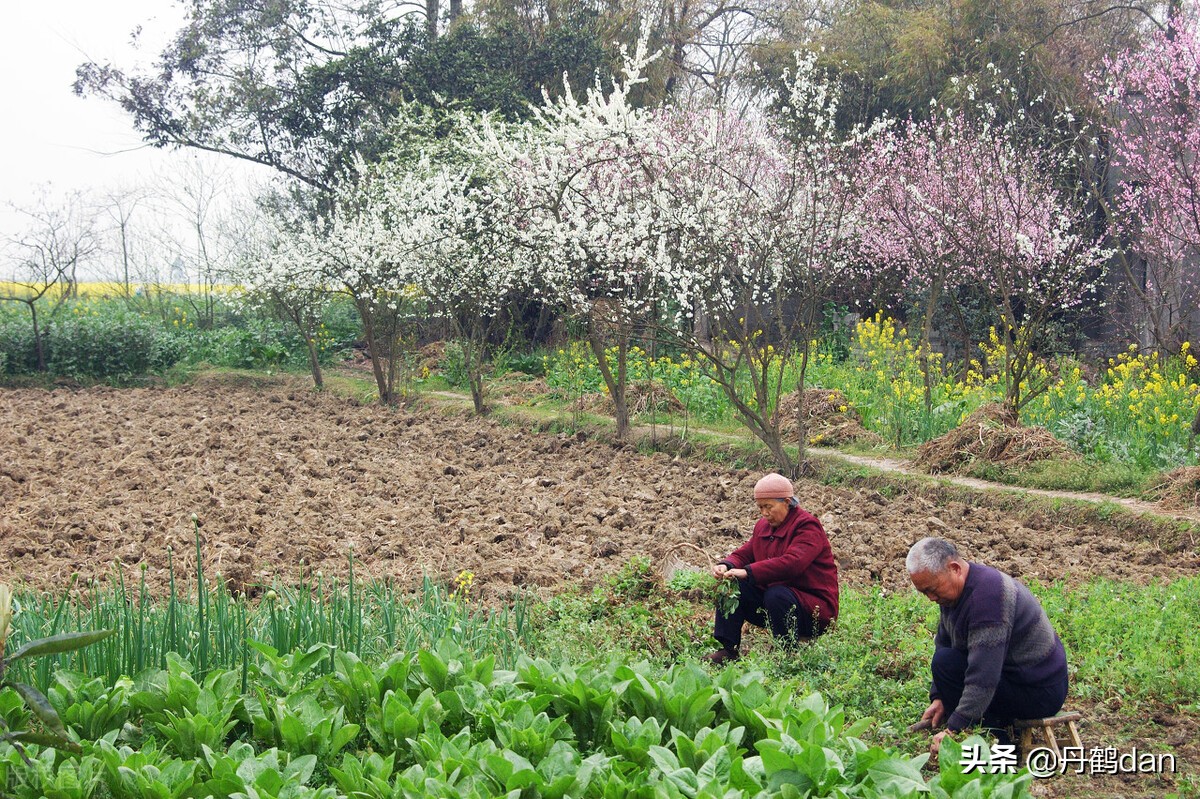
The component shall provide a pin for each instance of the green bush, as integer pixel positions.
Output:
(17, 352)
(87, 342)
(259, 343)
(108, 346)
(108, 339)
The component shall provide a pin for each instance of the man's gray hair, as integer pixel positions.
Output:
(930, 555)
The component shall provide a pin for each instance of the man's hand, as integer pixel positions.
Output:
(935, 714)
(936, 743)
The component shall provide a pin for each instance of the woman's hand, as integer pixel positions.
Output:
(718, 571)
(723, 572)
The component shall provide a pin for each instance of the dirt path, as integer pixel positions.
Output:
(904, 467)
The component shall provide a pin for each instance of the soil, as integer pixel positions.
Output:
(284, 480)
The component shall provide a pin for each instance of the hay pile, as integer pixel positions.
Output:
(640, 396)
(994, 435)
(431, 356)
(1179, 488)
(518, 387)
(828, 423)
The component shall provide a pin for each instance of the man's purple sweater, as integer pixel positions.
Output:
(1002, 629)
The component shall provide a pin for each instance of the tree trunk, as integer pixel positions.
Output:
(787, 467)
(475, 379)
(473, 354)
(310, 343)
(756, 419)
(676, 22)
(432, 9)
(616, 384)
(125, 259)
(381, 381)
(393, 346)
(37, 339)
(927, 346)
(801, 414)
(313, 363)
(701, 327)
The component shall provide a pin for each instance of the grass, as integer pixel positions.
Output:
(1117, 479)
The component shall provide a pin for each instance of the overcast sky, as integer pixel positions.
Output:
(55, 143)
(51, 136)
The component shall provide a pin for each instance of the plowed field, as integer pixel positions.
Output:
(285, 480)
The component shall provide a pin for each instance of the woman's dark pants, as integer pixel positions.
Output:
(778, 607)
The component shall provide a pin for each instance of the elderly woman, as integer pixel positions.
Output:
(786, 574)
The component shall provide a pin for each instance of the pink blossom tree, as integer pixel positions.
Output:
(1152, 96)
(909, 181)
(987, 212)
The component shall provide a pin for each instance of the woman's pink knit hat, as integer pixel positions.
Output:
(773, 486)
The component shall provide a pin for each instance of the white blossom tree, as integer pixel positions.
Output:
(459, 238)
(360, 249)
(584, 176)
(765, 212)
(281, 271)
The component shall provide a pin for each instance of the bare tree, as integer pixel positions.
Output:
(58, 237)
(195, 242)
(709, 45)
(119, 205)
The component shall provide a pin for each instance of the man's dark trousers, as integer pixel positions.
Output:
(1011, 700)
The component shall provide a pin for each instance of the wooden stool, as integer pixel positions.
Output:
(1027, 727)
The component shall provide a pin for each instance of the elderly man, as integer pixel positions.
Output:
(996, 658)
(787, 577)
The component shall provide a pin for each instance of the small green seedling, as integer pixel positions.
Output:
(725, 595)
(722, 593)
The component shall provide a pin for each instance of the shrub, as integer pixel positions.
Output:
(17, 352)
(113, 346)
